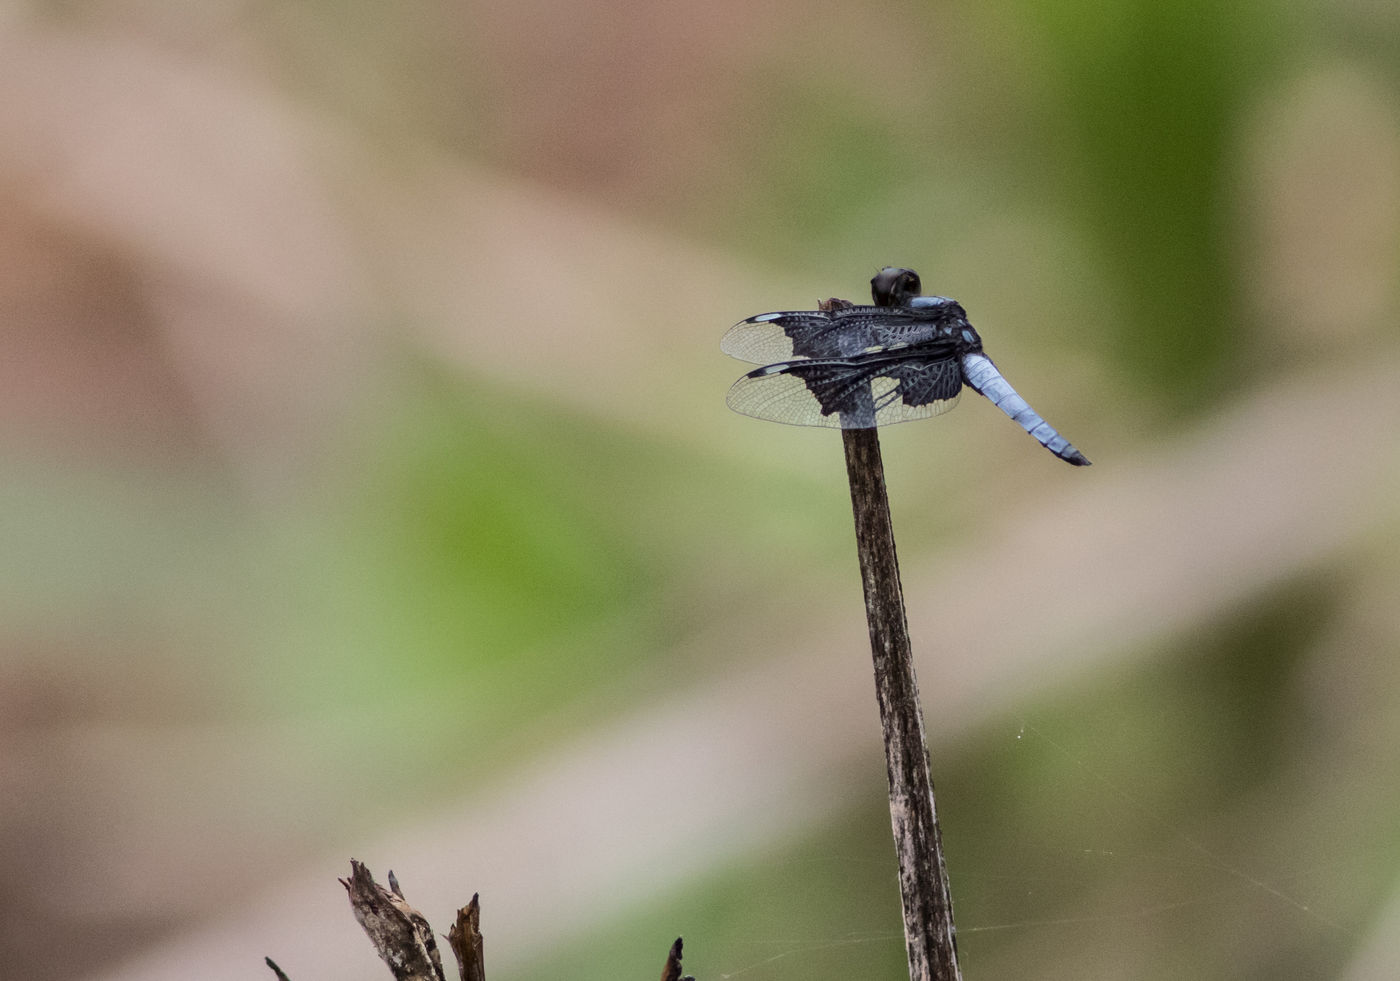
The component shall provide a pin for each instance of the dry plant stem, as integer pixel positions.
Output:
(672, 970)
(399, 932)
(464, 936)
(923, 876)
(405, 941)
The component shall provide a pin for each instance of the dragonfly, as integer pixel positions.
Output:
(845, 366)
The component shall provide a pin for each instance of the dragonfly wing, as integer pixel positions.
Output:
(984, 377)
(846, 332)
(855, 393)
(772, 337)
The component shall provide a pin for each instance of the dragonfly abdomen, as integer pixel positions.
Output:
(983, 377)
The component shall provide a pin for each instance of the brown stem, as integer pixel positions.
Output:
(923, 876)
(464, 937)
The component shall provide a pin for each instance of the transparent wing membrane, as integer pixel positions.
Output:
(848, 394)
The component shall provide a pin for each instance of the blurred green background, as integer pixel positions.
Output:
(367, 487)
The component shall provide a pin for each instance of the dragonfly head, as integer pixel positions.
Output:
(895, 287)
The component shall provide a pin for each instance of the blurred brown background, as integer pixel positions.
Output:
(366, 486)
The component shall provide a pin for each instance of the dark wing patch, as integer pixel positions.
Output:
(771, 337)
(856, 393)
(847, 332)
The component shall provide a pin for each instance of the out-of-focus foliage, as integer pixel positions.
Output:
(1146, 100)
